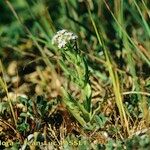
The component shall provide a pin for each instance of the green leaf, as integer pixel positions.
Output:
(3, 107)
(73, 108)
(100, 120)
(23, 127)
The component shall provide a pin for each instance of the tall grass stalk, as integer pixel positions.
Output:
(126, 42)
(4, 86)
(118, 10)
(128, 37)
(147, 28)
(120, 18)
(146, 8)
(113, 75)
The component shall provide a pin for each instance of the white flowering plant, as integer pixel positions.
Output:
(66, 42)
(63, 39)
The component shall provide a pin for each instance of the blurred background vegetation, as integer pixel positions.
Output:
(26, 30)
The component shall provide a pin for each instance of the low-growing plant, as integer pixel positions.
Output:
(75, 66)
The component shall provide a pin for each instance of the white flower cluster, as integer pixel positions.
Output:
(64, 37)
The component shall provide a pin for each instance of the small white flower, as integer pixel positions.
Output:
(74, 37)
(62, 44)
(63, 38)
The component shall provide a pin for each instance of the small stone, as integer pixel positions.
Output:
(12, 68)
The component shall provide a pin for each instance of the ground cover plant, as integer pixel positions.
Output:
(75, 74)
